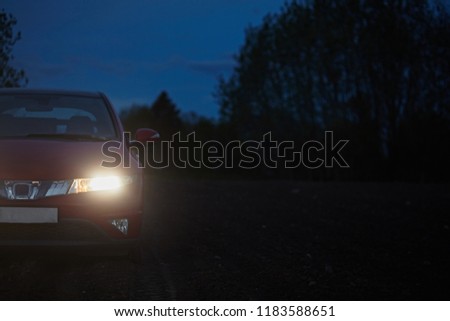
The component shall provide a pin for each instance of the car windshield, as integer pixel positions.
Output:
(55, 116)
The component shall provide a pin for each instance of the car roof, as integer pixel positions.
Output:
(26, 91)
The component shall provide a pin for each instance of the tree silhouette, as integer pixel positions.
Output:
(165, 116)
(9, 76)
(365, 69)
(162, 115)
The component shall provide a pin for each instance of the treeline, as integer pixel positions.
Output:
(376, 73)
(165, 117)
(9, 76)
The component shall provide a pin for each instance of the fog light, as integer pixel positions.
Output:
(121, 224)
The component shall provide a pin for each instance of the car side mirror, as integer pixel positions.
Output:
(144, 135)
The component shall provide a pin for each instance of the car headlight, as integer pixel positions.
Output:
(95, 184)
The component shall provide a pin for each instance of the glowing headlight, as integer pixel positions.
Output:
(108, 183)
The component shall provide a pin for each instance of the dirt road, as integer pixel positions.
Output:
(263, 240)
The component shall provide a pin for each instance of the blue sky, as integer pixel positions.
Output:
(132, 50)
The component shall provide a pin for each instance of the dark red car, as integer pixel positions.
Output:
(54, 187)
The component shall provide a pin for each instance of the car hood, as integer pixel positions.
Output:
(41, 159)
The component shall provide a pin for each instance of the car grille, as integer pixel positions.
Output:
(31, 189)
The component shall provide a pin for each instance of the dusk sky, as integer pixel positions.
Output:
(133, 50)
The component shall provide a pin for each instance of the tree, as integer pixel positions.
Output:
(362, 68)
(9, 76)
(165, 116)
(162, 115)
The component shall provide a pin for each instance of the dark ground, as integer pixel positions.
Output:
(263, 240)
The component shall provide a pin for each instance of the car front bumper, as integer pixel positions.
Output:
(83, 220)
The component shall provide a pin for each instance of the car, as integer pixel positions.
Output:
(56, 189)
